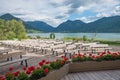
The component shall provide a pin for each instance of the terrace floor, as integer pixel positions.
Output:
(105, 75)
(94, 75)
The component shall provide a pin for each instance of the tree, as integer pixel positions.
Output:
(12, 29)
(84, 38)
(52, 36)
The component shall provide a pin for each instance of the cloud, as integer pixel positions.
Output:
(55, 12)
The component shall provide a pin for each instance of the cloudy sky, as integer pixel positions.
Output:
(55, 12)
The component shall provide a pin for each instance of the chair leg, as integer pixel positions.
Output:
(11, 58)
(21, 62)
(26, 63)
(7, 59)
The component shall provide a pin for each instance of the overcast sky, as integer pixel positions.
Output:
(55, 12)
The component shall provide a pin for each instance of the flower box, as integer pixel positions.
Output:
(57, 74)
(93, 66)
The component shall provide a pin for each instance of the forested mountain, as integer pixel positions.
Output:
(71, 26)
(105, 24)
(41, 26)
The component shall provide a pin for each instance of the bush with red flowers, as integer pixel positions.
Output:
(57, 64)
(37, 74)
(34, 72)
(107, 56)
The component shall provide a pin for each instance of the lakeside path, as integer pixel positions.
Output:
(37, 58)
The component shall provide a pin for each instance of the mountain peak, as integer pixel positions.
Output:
(8, 16)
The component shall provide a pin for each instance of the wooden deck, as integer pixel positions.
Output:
(96, 75)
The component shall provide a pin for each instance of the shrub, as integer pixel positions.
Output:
(37, 74)
(22, 76)
(57, 64)
(98, 59)
(108, 57)
(9, 76)
(47, 66)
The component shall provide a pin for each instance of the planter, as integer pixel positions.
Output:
(57, 74)
(93, 66)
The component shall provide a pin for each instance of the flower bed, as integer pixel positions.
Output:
(93, 66)
(91, 62)
(57, 74)
(45, 71)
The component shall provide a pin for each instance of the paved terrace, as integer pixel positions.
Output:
(98, 75)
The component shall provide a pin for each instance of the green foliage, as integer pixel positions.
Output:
(9, 76)
(72, 38)
(47, 66)
(84, 38)
(38, 37)
(109, 42)
(52, 36)
(118, 56)
(56, 65)
(37, 74)
(22, 76)
(76, 59)
(81, 59)
(98, 59)
(88, 58)
(108, 57)
(12, 29)
(33, 31)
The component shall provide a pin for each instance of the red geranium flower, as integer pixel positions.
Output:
(115, 55)
(108, 52)
(62, 56)
(46, 70)
(62, 62)
(103, 52)
(2, 78)
(31, 68)
(16, 73)
(90, 54)
(101, 56)
(73, 56)
(11, 68)
(47, 62)
(65, 59)
(28, 72)
(41, 63)
(80, 55)
(24, 68)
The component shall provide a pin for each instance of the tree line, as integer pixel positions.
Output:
(12, 29)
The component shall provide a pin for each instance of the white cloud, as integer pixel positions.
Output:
(55, 12)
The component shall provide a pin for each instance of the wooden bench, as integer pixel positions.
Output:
(15, 61)
(9, 56)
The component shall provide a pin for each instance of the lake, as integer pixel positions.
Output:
(103, 36)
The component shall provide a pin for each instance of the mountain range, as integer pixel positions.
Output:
(103, 25)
